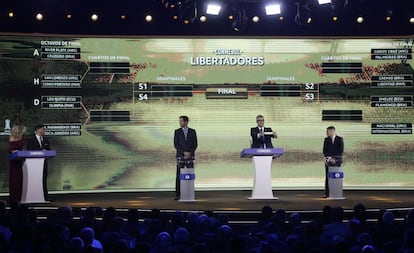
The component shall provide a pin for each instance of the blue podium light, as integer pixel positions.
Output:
(336, 175)
(187, 176)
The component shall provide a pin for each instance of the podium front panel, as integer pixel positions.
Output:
(262, 188)
(32, 191)
(187, 178)
(335, 182)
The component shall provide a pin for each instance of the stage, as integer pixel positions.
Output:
(235, 203)
(232, 200)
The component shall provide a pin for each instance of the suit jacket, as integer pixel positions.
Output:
(259, 142)
(33, 144)
(335, 149)
(182, 144)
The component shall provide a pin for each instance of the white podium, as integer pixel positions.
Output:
(262, 161)
(32, 191)
(335, 182)
(187, 177)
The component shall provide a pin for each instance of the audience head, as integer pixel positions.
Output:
(109, 213)
(368, 249)
(280, 216)
(65, 214)
(203, 218)
(87, 234)
(364, 239)
(116, 224)
(295, 219)
(132, 215)
(181, 236)
(337, 214)
(388, 218)
(163, 240)
(211, 224)
(76, 244)
(193, 218)
(360, 212)
(224, 232)
(155, 214)
(326, 214)
(267, 213)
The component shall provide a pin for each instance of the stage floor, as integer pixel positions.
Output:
(232, 200)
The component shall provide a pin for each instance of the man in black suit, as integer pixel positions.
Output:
(261, 135)
(185, 143)
(333, 148)
(40, 142)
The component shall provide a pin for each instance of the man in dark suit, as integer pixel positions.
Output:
(40, 142)
(261, 135)
(333, 148)
(185, 143)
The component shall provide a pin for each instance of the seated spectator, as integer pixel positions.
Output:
(76, 245)
(88, 236)
(386, 230)
(162, 243)
(336, 231)
(113, 234)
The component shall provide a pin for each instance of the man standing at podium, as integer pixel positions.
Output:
(185, 143)
(333, 148)
(261, 135)
(40, 142)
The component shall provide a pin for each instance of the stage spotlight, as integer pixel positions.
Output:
(412, 20)
(203, 19)
(255, 19)
(148, 18)
(324, 2)
(213, 9)
(281, 18)
(68, 16)
(186, 21)
(11, 14)
(334, 18)
(272, 9)
(309, 20)
(94, 17)
(231, 17)
(123, 17)
(175, 17)
(39, 16)
(360, 20)
(388, 18)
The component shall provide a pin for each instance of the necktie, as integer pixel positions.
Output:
(264, 142)
(41, 142)
(185, 132)
(333, 140)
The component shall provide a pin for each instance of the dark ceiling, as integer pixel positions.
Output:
(168, 17)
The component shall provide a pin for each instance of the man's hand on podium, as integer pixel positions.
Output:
(274, 134)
